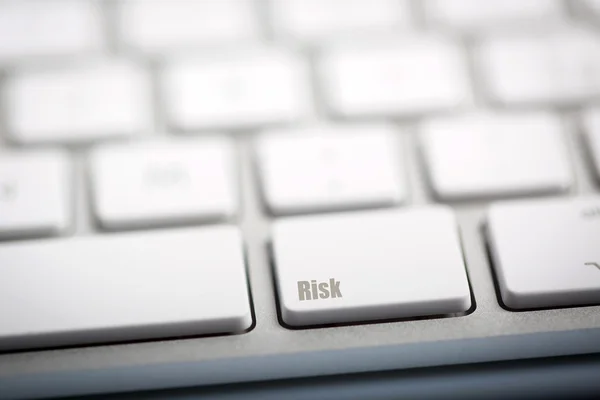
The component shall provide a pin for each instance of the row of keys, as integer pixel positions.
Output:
(70, 105)
(311, 169)
(68, 27)
(342, 268)
(268, 86)
(150, 184)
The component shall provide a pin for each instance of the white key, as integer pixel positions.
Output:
(49, 28)
(477, 15)
(367, 266)
(330, 167)
(35, 193)
(160, 183)
(323, 19)
(162, 25)
(592, 126)
(123, 287)
(559, 68)
(77, 104)
(402, 77)
(235, 91)
(487, 155)
(546, 253)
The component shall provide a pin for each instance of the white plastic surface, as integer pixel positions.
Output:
(368, 266)
(592, 126)
(331, 167)
(123, 287)
(325, 19)
(558, 68)
(35, 193)
(165, 25)
(477, 15)
(397, 77)
(246, 89)
(78, 103)
(546, 253)
(164, 182)
(33, 28)
(487, 155)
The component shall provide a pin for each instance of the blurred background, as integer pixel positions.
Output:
(75, 74)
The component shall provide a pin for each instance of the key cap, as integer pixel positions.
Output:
(163, 25)
(556, 69)
(135, 286)
(404, 77)
(49, 28)
(35, 193)
(476, 15)
(77, 104)
(236, 91)
(592, 126)
(324, 19)
(162, 183)
(546, 253)
(330, 168)
(487, 155)
(367, 266)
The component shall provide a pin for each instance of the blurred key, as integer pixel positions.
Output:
(477, 15)
(546, 253)
(495, 155)
(592, 127)
(78, 103)
(330, 168)
(49, 28)
(35, 193)
(324, 19)
(160, 25)
(402, 77)
(162, 183)
(559, 68)
(247, 89)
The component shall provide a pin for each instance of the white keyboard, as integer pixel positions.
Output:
(204, 192)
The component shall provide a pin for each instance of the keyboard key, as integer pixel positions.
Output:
(324, 19)
(77, 104)
(556, 69)
(161, 25)
(35, 194)
(477, 15)
(112, 288)
(49, 28)
(161, 183)
(404, 77)
(488, 155)
(330, 168)
(546, 253)
(243, 90)
(367, 266)
(592, 126)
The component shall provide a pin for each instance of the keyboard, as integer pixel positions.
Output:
(204, 192)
